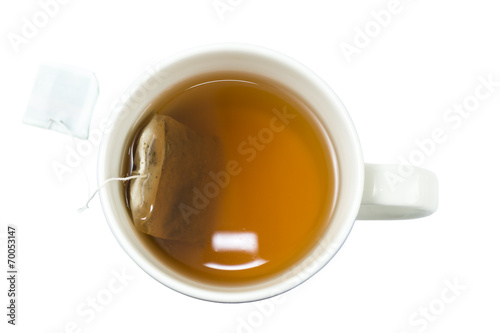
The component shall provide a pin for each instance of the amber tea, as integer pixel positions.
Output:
(239, 179)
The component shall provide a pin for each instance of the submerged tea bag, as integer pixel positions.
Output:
(177, 161)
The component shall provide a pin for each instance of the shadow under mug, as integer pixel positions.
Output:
(373, 191)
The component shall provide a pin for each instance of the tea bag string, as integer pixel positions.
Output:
(90, 197)
(104, 184)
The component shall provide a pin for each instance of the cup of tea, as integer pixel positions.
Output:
(252, 174)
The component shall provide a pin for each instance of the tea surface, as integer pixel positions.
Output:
(275, 190)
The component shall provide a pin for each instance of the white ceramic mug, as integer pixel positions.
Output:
(366, 191)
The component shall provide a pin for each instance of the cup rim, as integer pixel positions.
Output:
(257, 291)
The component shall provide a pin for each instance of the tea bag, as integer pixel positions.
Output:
(177, 161)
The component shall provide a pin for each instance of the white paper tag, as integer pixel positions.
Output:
(63, 94)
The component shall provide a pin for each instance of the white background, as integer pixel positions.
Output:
(397, 88)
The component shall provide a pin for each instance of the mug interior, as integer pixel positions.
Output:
(291, 75)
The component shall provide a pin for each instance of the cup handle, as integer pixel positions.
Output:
(397, 192)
